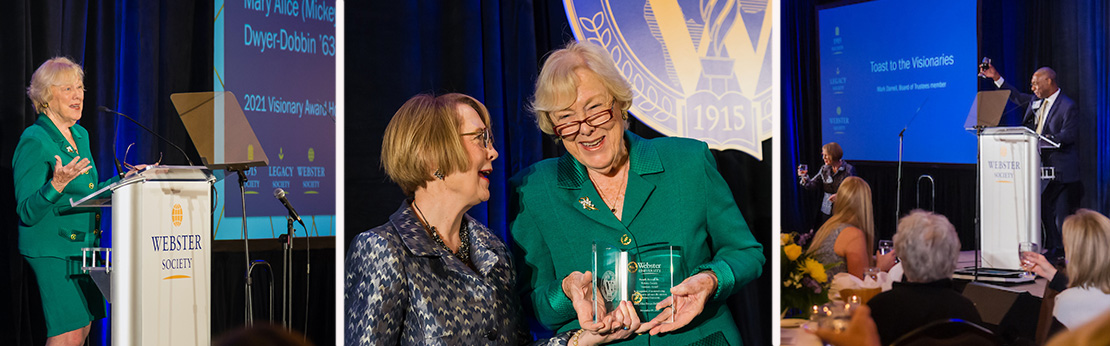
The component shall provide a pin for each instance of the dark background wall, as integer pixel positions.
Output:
(491, 50)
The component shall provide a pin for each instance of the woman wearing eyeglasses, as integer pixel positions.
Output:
(614, 187)
(52, 164)
(433, 275)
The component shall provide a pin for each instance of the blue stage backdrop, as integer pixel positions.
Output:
(278, 58)
(888, 65)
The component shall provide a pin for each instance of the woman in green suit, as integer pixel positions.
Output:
(615, 187)
(51, 165)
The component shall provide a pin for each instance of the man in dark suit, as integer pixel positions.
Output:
(1052, 114)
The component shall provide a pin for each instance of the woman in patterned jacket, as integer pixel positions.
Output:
(433, 275)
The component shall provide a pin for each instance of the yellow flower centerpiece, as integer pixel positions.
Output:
(804, 280)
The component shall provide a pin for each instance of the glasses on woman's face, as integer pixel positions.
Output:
(570, 129)
(484, 135)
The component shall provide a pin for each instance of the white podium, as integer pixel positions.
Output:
(1010, 193)
(160, 263)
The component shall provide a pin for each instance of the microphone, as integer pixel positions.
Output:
(280, 195)
(109, 110)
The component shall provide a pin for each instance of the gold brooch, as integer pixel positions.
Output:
(586, 204)
(69, 148)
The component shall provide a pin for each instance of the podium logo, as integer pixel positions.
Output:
(177, 215)
(700, 69)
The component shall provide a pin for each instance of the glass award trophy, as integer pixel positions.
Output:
(644, 277)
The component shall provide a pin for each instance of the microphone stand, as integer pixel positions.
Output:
(898, 195)
(287, 273)
(978, 203)
(109, 110)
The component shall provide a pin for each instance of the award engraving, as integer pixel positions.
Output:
(642, 275)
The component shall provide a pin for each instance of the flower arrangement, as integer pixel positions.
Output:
(804, 281)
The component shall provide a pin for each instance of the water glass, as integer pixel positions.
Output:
(1024, 247)
(835, 315)
(872, 273)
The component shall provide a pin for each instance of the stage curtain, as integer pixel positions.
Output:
(1019, 37)
(491, 50)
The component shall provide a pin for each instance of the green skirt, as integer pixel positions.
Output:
(70, 299)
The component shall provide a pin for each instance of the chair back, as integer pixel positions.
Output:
(953, 332)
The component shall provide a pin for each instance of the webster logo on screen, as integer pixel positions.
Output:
(699, 69)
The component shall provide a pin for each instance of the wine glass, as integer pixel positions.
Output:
(886, 246)
(803, 169)
(873, 273)
(1024, 247)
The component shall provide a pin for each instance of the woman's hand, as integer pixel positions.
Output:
(1041, 266)
(686, 302)
(578, 287)
(629, 321)
(65, 174)
(887, 261)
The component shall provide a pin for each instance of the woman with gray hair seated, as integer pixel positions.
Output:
(928, 247)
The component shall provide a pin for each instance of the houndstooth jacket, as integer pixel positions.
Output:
(404, 289)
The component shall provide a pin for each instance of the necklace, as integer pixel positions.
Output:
(464, 237)
(617, 200)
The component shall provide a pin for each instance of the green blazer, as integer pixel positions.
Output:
(674, 194)
(48, 226)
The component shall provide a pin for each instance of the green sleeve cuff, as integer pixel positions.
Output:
(560, 303)
(49, 193)
(725, 280)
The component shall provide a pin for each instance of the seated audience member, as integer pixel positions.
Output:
(847, 236)
(262, 335)
(1093, 333)
(1087, 251)
(928, 246)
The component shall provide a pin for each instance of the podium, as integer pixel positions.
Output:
(159, 267)
(1010, 176)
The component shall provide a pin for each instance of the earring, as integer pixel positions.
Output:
(438, 174)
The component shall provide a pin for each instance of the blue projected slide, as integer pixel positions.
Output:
(882, 61)
(278, 58)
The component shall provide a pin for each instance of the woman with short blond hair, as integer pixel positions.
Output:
(433, 275)
(53, 164)
(616, 187)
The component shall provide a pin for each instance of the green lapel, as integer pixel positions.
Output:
(580, 191)
(56, 136)
(643, 159)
